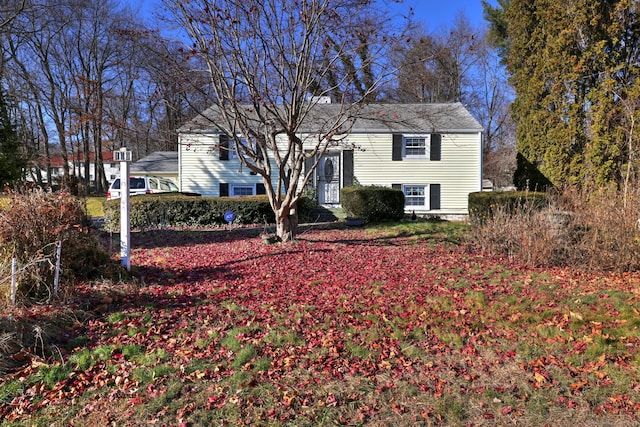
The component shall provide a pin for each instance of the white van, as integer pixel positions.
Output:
(142, 185)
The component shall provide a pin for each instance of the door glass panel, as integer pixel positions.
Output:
(328, 170)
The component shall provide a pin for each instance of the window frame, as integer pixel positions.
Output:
(426, 142)
(424, 196)
(233, 153)
(233, 187)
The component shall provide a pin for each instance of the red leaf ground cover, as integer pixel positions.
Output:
(348, 327)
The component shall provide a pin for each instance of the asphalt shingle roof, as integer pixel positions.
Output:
(158, 162)
(373, 118)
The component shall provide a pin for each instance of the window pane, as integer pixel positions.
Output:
(415, 147)
(242, 191)
(414, 195)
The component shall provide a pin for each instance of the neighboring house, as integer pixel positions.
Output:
(76, 167)
(161, 163)
(432, 152)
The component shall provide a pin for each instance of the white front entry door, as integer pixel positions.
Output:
(328, 174)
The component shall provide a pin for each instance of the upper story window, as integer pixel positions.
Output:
(416, 147)
(227, 149)
(419, 146)
(233, 154)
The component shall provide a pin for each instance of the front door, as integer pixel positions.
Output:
(328, 174)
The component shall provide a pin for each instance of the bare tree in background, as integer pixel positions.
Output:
(492, 97)
(458, 64)
(268, 63)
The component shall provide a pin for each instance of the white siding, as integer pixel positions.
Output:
(201, 170)
(458, 172)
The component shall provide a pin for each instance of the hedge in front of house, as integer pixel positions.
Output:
(171, 209)
(482, 204)
(373, 203)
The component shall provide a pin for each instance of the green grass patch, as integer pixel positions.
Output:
(148, 359)
(82, 360)
(262, 364)
(94, 206)
(244, 356)
(357, 350)
(50, 375)
(104, 352)
(282, 338)
(230, 342)
(116, 317)
(10, 390)
(147, 375)
(132, 350)
(476, 299)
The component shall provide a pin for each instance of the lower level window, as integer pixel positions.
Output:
(415, 195)
(242, 190)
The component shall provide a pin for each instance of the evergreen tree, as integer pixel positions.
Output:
(573, 65)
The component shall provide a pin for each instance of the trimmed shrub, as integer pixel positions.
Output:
(483, 204)
(171, 210)
(373, 203)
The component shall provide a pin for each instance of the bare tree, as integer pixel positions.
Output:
(65, 64)
(268, 64)
(10, 11)
(35, 73)
(458, 64)
(489, 101)
(437, 67)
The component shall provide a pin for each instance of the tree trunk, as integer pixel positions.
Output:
(287, 223)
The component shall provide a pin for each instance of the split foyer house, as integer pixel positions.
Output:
(432, 152)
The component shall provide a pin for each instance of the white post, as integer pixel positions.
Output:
(56, 279)
(125, 220)
(14, 271)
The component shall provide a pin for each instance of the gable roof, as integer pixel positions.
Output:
(372, 118)
(157, 162)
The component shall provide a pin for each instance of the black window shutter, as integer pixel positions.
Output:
(436, 146)
(397, 186)
(434, 196)
(347, 168)
(396, 153)
(224, 147)
(260, 188)
(224, 189)
(308, 162)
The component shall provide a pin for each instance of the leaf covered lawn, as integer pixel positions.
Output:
(381, 326)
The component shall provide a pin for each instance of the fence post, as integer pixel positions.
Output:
(14, 271)
(56, 278)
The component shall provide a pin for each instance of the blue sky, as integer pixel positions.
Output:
(436, 14)
(432, 14)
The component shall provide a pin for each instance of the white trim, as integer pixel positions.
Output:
(233, 187)
(425, 187)
(426, 137)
